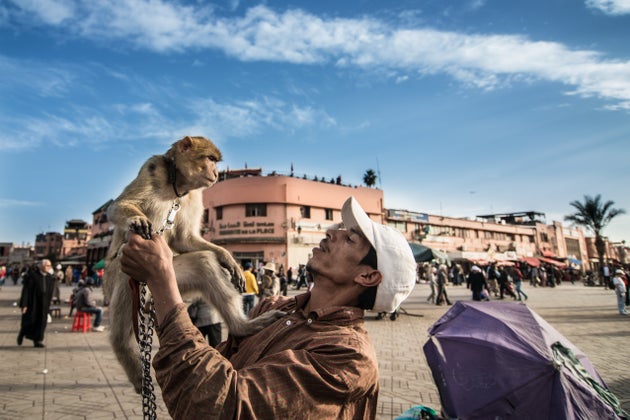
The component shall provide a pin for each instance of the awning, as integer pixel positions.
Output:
(552, 262)
(505, 263)
(100, 264)
(548, 253)
(574, 261)
(531, 261)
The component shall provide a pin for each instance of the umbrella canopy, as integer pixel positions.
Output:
(423, 253)
(501, 359)
(100, 264)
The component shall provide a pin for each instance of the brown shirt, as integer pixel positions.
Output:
(318, 365)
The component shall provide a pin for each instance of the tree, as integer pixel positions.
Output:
(369, 178)
(594, 215)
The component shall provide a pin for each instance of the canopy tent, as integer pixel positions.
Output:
(574, 261)
(423, 253)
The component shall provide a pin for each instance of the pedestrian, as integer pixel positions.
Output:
(432, 283)
(284, 284)
(207, 320)
(317, 362)
(301, 277)
(84, 302)
(518, 283)
(442, 282)
(69, 275)
(251, 288)
(37, 290)
(270, 282)
(59, 276)
(620, 291)
(606, 275)
(492, 276)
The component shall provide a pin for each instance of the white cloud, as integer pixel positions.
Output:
(7, 202)
(295, 36)
(610, 7)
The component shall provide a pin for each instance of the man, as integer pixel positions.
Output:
(316, 362)
(251, 288)
(37, 290)
(85, 303)
(620, 291)
(270, 282)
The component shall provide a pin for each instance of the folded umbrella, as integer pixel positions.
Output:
(502, 360)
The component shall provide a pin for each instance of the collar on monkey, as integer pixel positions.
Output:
(171, 170)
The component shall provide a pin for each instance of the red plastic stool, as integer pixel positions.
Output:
(81, 322)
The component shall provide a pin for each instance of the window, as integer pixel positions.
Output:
(254, 210)
(329, 214)
(219, 213)
(305, 212)
(206, 216)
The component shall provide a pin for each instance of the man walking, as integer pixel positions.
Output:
(620, 291)
(37, 292)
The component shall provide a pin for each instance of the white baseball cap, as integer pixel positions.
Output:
(394, 257)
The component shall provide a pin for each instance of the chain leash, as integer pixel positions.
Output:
(145, 331)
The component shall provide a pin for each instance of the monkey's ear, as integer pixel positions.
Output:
(185, 144)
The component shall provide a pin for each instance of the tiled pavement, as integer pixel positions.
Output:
(77, 377)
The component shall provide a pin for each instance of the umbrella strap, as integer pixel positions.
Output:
(565, 357)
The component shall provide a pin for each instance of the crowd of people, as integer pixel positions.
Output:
(501, 280)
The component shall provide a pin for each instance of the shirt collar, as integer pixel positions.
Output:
(338, 314)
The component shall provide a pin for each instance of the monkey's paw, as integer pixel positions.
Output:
(260, 322)
(141, 225)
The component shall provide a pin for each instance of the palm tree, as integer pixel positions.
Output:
(594, 215)
(369, 178)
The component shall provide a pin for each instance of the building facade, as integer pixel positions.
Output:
(277, 218)
(48, 245)
(76, 235)
(281, 218)
(101, 235)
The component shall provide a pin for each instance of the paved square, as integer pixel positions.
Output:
(83, 380)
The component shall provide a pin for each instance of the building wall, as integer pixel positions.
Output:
(285, 235)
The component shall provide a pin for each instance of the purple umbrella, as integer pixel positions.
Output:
(496, 360)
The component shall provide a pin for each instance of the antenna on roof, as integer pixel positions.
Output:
(378, 172)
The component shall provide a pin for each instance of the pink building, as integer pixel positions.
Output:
(277, 218)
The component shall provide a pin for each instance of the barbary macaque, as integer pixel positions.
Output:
(167, 195)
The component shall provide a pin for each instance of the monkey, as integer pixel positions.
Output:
(167, 192)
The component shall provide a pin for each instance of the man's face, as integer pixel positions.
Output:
(339, 254)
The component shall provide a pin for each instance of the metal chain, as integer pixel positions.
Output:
(145, 331)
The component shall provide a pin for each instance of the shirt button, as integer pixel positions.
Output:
(309, 321)
(288, 323)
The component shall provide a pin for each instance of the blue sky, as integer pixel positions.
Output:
(463, 107)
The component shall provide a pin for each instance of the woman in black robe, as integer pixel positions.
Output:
(37, 291)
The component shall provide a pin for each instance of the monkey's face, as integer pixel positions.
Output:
(197, 159)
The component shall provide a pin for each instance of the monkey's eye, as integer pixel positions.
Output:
(212, 158)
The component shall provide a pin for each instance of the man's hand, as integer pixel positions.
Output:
(150, 261)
